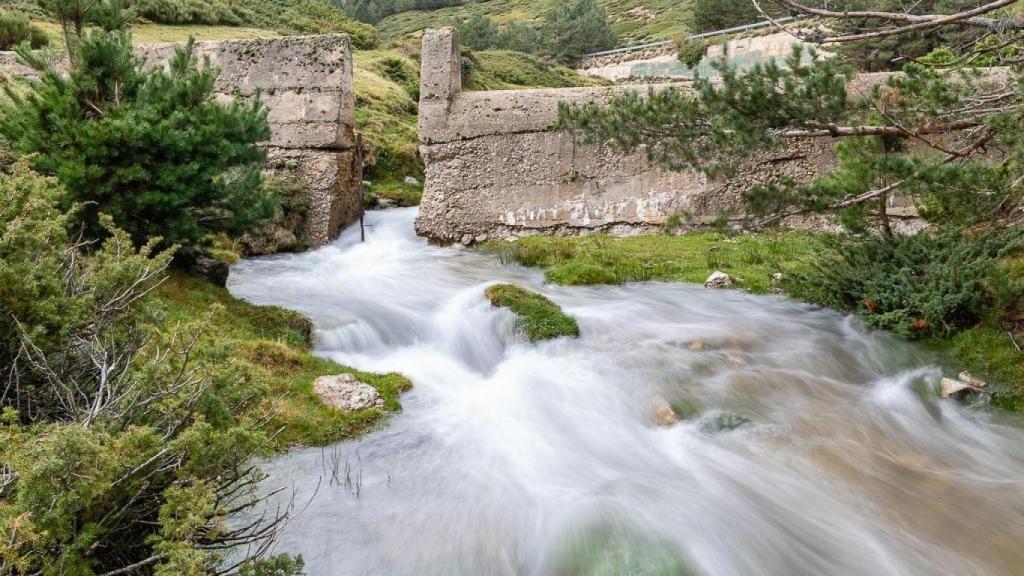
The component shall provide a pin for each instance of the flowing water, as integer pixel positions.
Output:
(512, 458)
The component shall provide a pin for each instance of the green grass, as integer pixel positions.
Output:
(387, 91)
(751, 259)
(507, 70)
(273, 345)
(537, 317)
(988, 352)
(634, 21)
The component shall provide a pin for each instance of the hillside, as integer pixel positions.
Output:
(218, 19)
(634, 21)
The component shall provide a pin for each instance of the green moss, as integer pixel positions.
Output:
(272, 344)
(752, 259)
(538, 317)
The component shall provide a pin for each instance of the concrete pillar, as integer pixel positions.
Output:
(440, 80)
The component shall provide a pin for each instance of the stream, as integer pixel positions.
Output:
(545, 459)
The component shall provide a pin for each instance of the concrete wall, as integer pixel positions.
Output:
(494, 167)
(306, 84)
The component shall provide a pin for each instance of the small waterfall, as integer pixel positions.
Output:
(512, 458)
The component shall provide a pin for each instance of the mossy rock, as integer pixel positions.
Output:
(611, 551)
(538, 317)
(722, 422)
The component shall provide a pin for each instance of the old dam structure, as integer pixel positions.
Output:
(496, 169)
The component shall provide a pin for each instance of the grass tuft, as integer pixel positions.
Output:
(538, 317)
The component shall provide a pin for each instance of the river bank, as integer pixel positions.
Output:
(760, 263)
(547, 458)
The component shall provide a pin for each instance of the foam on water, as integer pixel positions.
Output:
(511, 458)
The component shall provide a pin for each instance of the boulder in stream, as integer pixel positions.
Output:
(959, 389)
(346, 392)
(664, 415)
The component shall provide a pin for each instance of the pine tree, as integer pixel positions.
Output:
(477, 32)
(149, 148)
(577, 28)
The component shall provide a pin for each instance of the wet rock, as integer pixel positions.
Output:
(736, 360)
(966, 377)
(664, 415)
(213, 270)
(697, 345)
(346, 392)
(718, 280)
(466, 239)
(722, 422)
(957, 389)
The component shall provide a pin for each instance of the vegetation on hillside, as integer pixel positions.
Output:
(508, 70)
(568, 32)
(632, 21)
(270, 16)
(537, 317)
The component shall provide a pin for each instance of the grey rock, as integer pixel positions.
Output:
(718, 280)
(346, 392)
(410, 181)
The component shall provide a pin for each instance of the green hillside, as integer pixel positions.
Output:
(634, 21)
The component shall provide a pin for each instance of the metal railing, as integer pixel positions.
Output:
(700, 36)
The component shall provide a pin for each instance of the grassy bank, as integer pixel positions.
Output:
(751, 259)
(272, 346)
(988, 350)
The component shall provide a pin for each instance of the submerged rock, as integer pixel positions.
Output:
(346, 392)
(608, 550)
(718, 280)
(664, 415)
(722, 422)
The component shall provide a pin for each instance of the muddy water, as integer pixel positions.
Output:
(512, 458)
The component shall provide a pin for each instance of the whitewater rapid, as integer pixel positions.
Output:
(514, 458)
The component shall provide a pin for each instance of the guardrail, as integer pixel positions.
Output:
(700, 36)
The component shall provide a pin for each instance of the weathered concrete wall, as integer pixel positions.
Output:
(494, 167)
(306, 84)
